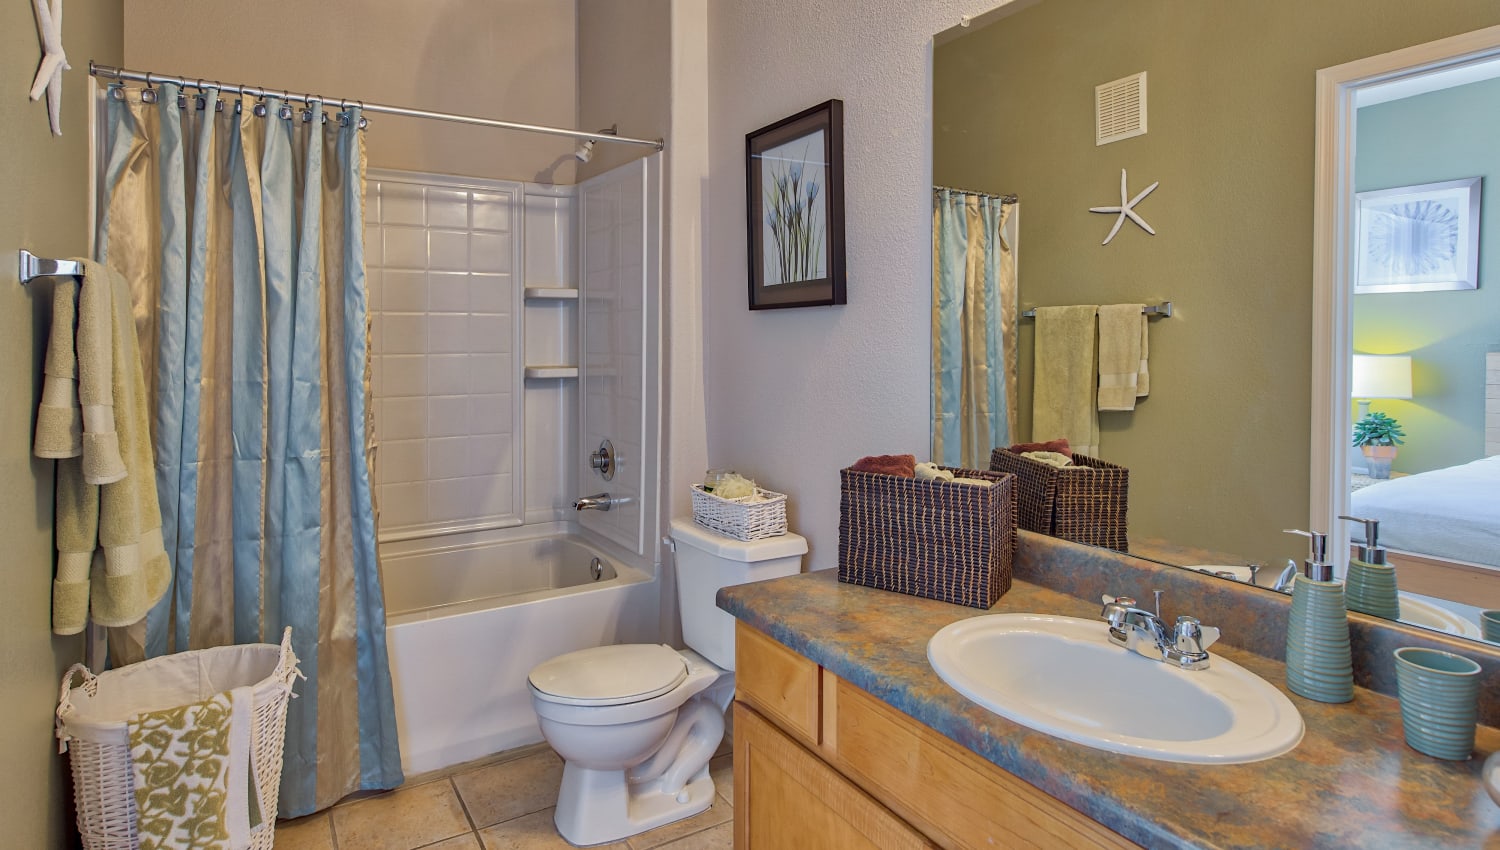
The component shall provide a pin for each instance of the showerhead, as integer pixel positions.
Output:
(585, 151)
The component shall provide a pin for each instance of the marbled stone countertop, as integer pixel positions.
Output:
(1352, 782)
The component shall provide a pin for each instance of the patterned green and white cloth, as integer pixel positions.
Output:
(193, 774)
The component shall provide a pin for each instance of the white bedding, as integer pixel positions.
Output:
(1450, 513)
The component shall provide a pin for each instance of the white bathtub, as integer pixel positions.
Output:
(466, 622)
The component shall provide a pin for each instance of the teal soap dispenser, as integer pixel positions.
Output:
(1318, 663)
(1370, 585)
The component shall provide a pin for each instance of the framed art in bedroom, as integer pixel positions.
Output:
(794, 192)
(1418, 238)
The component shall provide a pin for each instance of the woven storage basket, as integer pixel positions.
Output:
(1085, 502)
(740, 518)
(91, 725)
(946, 541)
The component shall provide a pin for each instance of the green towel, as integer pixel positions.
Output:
(111, 559)
(1064, 398)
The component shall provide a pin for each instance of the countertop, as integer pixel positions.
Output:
(1352, 782)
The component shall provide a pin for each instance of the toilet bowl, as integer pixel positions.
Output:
(636, 724)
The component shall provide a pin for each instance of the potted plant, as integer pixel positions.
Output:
(1377, 436)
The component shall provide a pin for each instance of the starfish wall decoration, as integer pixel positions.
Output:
(1126, 209)
(54, 61)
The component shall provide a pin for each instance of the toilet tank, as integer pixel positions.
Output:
(707, 561)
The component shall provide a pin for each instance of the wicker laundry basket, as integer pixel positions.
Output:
(936, 539)
(1085, 503)
(91, 724)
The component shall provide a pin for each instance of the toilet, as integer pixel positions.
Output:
(636, 724)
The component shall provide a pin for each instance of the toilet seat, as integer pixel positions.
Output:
(609, 675)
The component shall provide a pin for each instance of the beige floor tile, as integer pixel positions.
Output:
(718, 813)
(532, 832)
(720, 837)
(468, 841)
(721, 771)
(401, 820)
(499, 792)
(310, 833)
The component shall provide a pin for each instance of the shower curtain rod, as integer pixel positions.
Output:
(150, 77)
(1012, 198)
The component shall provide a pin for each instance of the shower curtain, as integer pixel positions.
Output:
(239, 227)
(974, 315)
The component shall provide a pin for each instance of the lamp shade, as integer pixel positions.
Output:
(1381, 376)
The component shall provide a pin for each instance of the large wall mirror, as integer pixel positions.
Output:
(1221, 453)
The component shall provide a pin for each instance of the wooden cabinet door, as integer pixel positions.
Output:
(786, 798)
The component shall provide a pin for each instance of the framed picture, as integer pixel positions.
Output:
(795, 194)
(1418, 238)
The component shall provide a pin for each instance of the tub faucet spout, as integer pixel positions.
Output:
(597, 502)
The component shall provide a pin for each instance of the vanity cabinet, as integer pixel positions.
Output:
(821, 763)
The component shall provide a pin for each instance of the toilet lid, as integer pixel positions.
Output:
(610, 675)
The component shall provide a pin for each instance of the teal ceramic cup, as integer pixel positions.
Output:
(1439, 694)
(1490, 622)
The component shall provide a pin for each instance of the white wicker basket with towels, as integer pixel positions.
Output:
(746, 518)
(92, 725)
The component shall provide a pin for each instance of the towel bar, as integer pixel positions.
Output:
(1151, 311)
(33, 266)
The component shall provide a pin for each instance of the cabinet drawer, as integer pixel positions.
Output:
(778, 682)
(948, 792)
(785, 798)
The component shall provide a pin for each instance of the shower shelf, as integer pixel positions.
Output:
(552, 293)
(551, 372)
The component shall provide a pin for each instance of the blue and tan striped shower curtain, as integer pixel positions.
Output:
(974, 316)
(241, 235)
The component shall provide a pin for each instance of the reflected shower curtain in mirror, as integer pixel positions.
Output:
(974, 316)
(242, 238)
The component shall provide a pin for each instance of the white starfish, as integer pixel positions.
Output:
(1127, 209)
(54, 61)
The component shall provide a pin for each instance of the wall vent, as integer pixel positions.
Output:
(1120, 109)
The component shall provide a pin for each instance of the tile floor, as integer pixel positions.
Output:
(504, 802)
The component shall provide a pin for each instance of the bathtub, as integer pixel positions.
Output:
(466, 622)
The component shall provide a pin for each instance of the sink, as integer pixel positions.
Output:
(1062, 676)
(1416, 611)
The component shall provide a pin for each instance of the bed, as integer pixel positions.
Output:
(1451, 513)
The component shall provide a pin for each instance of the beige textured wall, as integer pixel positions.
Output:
(44, 208)
(624, 75)
(507, 59)
(1219, 452)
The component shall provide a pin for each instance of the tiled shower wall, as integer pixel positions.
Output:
(443, 262)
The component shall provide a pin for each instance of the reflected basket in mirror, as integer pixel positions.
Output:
(937, 539)
(1085, 502)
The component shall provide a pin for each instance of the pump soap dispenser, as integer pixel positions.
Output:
(1318, 663)
(1370, 586)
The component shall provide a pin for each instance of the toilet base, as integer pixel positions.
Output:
(600, 806)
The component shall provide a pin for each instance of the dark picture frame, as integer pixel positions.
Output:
(794, 192)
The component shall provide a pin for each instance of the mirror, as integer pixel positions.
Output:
(1220, 449)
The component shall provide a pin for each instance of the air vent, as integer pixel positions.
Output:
(1120, 109)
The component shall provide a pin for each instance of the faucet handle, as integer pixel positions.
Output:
(1192, 636)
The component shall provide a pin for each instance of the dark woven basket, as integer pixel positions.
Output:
(1085, 502)
(937, 539)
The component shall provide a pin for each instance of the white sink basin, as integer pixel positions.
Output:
(1062, 676)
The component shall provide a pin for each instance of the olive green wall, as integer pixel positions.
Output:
(44, 208)
(1219, 452)
(1445, 135)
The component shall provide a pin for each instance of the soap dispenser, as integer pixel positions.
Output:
(1318, 663)
(1370, 586)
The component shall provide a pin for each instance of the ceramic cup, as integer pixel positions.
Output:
(1490, 621)
(1439, 694)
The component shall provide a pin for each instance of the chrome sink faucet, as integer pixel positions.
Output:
(1144, 633)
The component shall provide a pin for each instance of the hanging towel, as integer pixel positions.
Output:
(1122, 331)
(59, 420)
(193, 779)
(1064, 394)
(111, 561)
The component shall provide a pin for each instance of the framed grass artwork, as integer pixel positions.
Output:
(795, 194)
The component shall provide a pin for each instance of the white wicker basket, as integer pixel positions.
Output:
(741, 518)
(91, 726)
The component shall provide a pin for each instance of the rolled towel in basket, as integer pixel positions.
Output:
(1060, 446)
